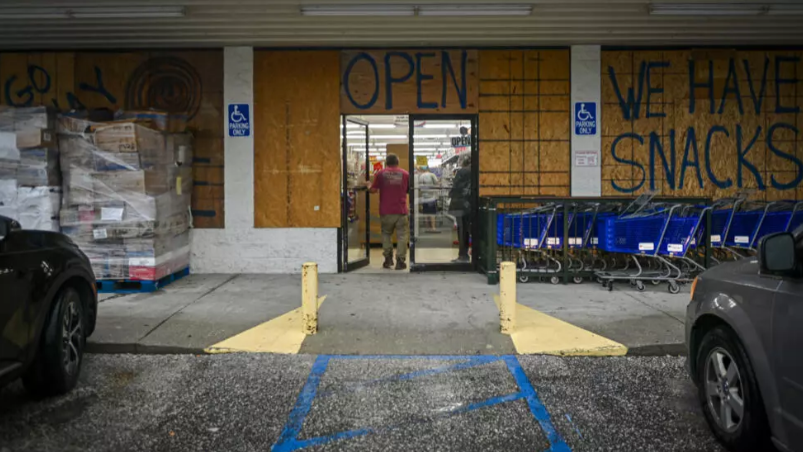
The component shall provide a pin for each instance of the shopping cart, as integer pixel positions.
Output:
(657, 238)
(780, 216)
(541, 238)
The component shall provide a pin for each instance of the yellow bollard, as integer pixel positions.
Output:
(507, 297)
(309, 298)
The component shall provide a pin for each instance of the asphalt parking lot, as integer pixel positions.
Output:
(260, 402)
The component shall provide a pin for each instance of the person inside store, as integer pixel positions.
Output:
(428, 184)
(460, 207)
(392, 183)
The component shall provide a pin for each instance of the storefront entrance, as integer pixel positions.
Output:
(436, 150)
(354, 236)
(443, 196)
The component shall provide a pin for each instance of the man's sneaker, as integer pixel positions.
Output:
(461, 260)
(388, 263)
(400, 265)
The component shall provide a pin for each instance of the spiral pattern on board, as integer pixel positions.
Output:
(165, 83)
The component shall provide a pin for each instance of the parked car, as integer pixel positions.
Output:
(48, 306)
(744, 333)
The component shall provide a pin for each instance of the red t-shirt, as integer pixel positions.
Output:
(392, 184)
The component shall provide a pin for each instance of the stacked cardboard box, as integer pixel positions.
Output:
(126, 197)
(9, 165)
(30, 131)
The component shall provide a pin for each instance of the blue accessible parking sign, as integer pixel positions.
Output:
(239, 120)
(585, 118)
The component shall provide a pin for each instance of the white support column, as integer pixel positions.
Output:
(238, 88)
(240, 247)
(586, 149)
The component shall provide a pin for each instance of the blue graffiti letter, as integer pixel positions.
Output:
(760, 100)
(735, 89)
(390, 80)
(99, 88)
(25, 94)
(796, 181)
(627, 162)
(721, 184)
(669, 165)
(691, 143)
(347, 77)
(420, 77)
(33, 71)
(743, 162)
(651, 90)
(784, 81)
(631, 106)
(446, 67)
(694, 85)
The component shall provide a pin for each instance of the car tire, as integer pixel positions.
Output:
(57, 364)
(751, 432)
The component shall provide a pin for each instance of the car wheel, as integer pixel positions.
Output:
(728, 393)
(61, 350)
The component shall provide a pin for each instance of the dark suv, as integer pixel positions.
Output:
(48, 306)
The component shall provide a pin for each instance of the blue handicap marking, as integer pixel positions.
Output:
(288, 440)
(585, 118)
(239, 120)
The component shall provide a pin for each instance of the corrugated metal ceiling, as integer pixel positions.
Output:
(266, 23)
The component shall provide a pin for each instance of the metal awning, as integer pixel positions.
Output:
(61, 24)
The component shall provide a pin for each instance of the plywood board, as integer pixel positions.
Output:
(754, 137)
(408, 81)
(297, 145)
(524, 111)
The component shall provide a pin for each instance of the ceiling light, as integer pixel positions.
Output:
(358, 10)
(390, 137)
(475, 10)
(440, 126)
(706, 9)
(373, 126)
(93, 12)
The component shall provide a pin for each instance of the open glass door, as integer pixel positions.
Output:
(354, 235)
(443, 195)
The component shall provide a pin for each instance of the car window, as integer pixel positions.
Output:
(799, 236)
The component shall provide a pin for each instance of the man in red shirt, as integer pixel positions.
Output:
(392, 184)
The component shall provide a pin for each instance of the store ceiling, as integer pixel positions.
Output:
(431, 138)
(279, 23)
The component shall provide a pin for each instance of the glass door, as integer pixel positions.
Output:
(443, 195)
(354, 235)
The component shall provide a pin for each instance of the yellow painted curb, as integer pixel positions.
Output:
(282, 334)
(539, 333)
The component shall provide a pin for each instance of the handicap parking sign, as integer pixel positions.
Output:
(585, 118)
(239, 120)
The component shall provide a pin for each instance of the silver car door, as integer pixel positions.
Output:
(789, 373)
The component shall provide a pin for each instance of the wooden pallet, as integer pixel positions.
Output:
(125, 286)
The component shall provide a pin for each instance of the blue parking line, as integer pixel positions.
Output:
(471, 362)
(408, 357)
(303, 404)
(289, 442)
(557, 444)
(317, 441)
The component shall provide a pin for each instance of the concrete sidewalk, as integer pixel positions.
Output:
(393, 313)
